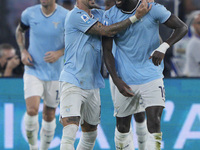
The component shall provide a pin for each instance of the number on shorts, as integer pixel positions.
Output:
(162, 91)
(57, 94)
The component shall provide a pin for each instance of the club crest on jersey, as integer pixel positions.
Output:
(85, 18)
(56, 24)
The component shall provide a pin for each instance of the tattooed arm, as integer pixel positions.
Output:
(100, 29)
(20, 37)
(25, 56)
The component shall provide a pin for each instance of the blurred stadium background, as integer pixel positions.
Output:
(181, 117)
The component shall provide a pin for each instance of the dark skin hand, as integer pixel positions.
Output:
(110, 62)
(180, 29)
(124, 88)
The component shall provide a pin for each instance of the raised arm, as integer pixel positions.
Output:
(110, 64)
(110, 31)
(25, 56)
(180, 29)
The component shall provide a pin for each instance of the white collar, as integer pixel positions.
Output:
(50, 13)
(130, 12)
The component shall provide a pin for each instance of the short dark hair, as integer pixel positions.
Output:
(5, 46)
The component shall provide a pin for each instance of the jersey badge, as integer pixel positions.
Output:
(56, 24)
(85, 18)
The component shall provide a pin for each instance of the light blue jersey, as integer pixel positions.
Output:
(82, 51)
(46, 34)
(135, 44)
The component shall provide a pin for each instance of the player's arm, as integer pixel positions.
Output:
(100, 29)
(110, 64)
(180, 29)
(53, 56)
(20, 37)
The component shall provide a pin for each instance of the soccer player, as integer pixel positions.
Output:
(140, 121)
(43, 63)
(80, 77)
(138, 75)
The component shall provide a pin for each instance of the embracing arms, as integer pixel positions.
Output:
(109, 31)
(20, 37)
(107, 43)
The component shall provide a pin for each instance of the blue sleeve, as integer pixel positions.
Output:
(25, 17)
(101, 13)
(107, 19)
(159, 13)
(82, 21)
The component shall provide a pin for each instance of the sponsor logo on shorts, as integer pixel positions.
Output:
(68, 108)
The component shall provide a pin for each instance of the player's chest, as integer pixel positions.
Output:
(43, 25)
(142, 25)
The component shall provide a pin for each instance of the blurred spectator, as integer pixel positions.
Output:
(191, 5)
(9, 62)
(186, 7)
(192, 66)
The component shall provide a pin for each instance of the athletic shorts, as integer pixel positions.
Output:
(112, 88)
(47, 90)
(147, 95)
(75, 101)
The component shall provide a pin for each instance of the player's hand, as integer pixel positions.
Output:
(53, 56)
(13, 62)
(143, 9)
(157, 57)
(26, 58)
(123, 87)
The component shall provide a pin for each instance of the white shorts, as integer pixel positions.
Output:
(75, 101)
(147, 95)
(112, 88)
(47, 90)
